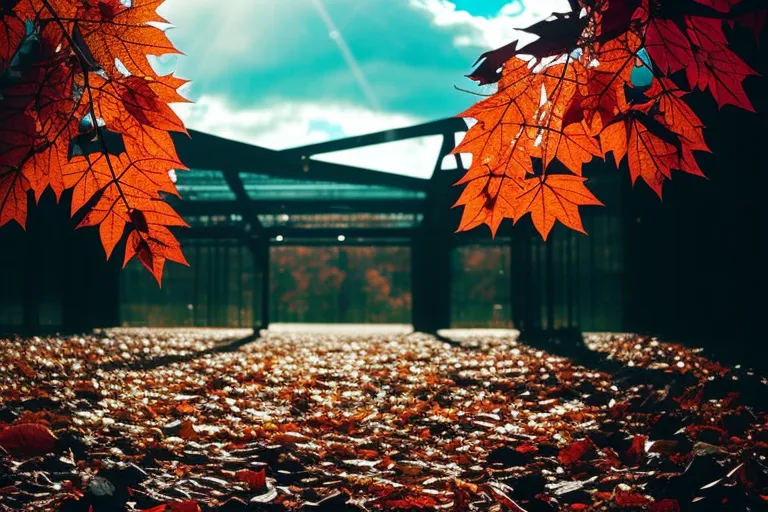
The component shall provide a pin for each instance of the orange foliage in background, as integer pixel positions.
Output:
(569, 97)
(351, 284)
(83, 110)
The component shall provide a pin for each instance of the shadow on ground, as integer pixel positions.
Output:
(570, 344)
(151, 364)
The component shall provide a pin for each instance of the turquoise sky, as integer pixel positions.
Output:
(283, 73)
(481, 8)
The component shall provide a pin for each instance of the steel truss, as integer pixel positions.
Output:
(431, 238)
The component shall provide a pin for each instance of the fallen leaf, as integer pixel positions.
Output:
(254, 479)
(27, 439)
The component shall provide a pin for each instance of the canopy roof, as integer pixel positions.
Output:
(234, 188)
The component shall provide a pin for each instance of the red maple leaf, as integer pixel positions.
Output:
(668, 45)
(254, 479)
(27, 439)
(575, 451)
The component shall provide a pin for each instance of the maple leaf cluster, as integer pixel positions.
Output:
(81, 108)
(570, 96)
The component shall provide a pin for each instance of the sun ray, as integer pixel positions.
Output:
(347, 54)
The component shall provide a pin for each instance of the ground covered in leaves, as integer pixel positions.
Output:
(108, 422)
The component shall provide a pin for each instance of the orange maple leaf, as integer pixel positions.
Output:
(720, 70)
(92, 116)
(571, 144)
(652, 155)
(13, 197)
(114, 32)
(498, 139)
(601, 94)
(10, 38)
(524, 120)
(678, 115)
(668, 46)
(135, 96)
(572, 98)
(556, 197)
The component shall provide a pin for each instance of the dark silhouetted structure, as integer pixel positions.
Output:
(691, 268)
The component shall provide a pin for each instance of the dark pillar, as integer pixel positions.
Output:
(549, 279)
(525, 270)
(432, 247)
(91, 286)
(32, 270)
(210, 290)
(239, 281)
(431, 281)
(519, 275)
(260, 249)
(196, 302)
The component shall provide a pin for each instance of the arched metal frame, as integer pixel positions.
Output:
(204, 151)
(430, 241)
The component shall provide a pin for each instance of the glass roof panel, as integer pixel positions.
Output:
(206, 221)
(199, 185)
(266, 187)
(342, 221)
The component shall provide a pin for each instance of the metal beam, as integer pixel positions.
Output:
(208, 152)
(350, 242)
(213, 232)
(260, 250)
(441, 180)
(314, 240)
(243, 201)
(444, 126)
(204, 151)
(272, 206)
(239, 233)
(315, 170)
(333, 233)
(477, 236)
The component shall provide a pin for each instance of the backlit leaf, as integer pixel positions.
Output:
(82, 109)
(556, 197)
(571, 96)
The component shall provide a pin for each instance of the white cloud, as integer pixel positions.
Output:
(236, 33)
(266, 72)
(492, 32)
(285, 124)
(254, 52)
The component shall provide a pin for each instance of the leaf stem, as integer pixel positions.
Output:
(84, 66)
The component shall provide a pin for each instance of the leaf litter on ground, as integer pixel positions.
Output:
(372, 422)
